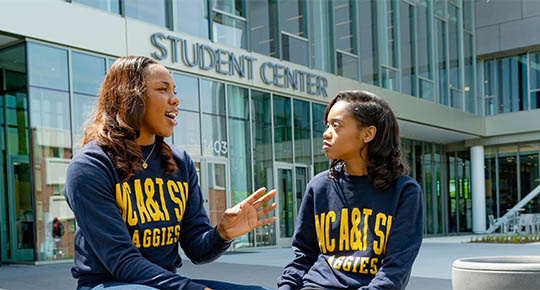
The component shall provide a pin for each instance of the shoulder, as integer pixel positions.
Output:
(180, 155)
(91, 162)
(319, 179)
(90, 153)
(408, 186)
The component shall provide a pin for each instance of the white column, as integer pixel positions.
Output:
(478, 189)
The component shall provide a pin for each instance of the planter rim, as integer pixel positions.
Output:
(499, 263)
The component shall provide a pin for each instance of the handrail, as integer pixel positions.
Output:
(500, 221)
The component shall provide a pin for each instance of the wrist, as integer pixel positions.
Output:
(223, 234)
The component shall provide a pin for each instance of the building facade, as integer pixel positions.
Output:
(254, 78)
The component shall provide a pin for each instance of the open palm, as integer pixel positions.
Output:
(244, 217)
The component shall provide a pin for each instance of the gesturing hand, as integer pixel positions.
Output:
(244, 217)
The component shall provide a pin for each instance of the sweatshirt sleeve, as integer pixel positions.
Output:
(89, 191)
(403, 242)
(305, 246)
(199, 240)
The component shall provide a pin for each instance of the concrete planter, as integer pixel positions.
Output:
(504, 272)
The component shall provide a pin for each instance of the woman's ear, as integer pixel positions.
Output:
(369, 133)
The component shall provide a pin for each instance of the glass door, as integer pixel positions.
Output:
(18, 226)
(214, 187)
(291, 184)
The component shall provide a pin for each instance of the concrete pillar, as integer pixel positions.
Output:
(478, 181)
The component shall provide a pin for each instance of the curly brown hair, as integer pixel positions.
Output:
(116, 120)
(385, 163)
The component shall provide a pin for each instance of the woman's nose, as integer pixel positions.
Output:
(175, 101)
(326, 134)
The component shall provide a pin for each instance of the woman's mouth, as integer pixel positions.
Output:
(172, 116)
(326, 146)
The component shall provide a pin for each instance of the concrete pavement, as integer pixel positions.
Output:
(432, 269)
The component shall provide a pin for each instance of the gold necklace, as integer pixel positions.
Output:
(144, 164)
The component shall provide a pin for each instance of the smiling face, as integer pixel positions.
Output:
(161, 105)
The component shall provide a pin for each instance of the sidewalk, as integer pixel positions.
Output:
(432, 269)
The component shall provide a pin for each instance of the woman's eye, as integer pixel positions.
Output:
(336, 125)
(174, 92)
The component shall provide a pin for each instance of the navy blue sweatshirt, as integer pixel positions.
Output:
(351, 236)
(129, 231)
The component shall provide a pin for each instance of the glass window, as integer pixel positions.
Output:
(262, 21)
(390, 55)
(292, 17)
(16, 110)
(424, 40)
(528, 172)
(83, 106)
(512, 84)
(440, 8)
(187, 90)
(535, 79)
(456, 98)
(468, 10)
(214, 130)
(320, 162)
(347, 65)
(107, 5)
(292, 21)
(441, 61)
(188, 132)
(490, 160)
(262, 156)
(302, 132)
(428, 187)
(229, 30)
(188, 137)
(191, 17)
(407, 35)
(282, 129)
(155, 12)
(508, 187)
(453, 41)
(240, 152)
(294, 49)
(234, 7)
(390, 79)
(320, 36)
(469, 88)
(344, 24)
(426, 90)
(49, 67)
(368, 41)
(489, 77)
(87, 72)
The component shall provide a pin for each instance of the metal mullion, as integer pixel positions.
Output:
(70, 99)
(482, 89)
(274, 167)
(229, 14)
(228, 191)
(461, 59)
(397, 41)
(248, 30)
(201, 150)
(414, 42)
(497, 180)
(434, 200)
(518, 174)
(307, 31)
(251, 149)
(172, 19)
(210, 13)
(432, 48)
(347, 53)
(390, 68)
(294, 36)
(311, 139)
(333, 34)
(277, 27)
(458, 191)
(528, 81)
(447, 60)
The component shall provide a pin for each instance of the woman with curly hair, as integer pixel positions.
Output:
(360, 223)
(136, 197)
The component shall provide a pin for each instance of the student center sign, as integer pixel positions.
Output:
(226, 63)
